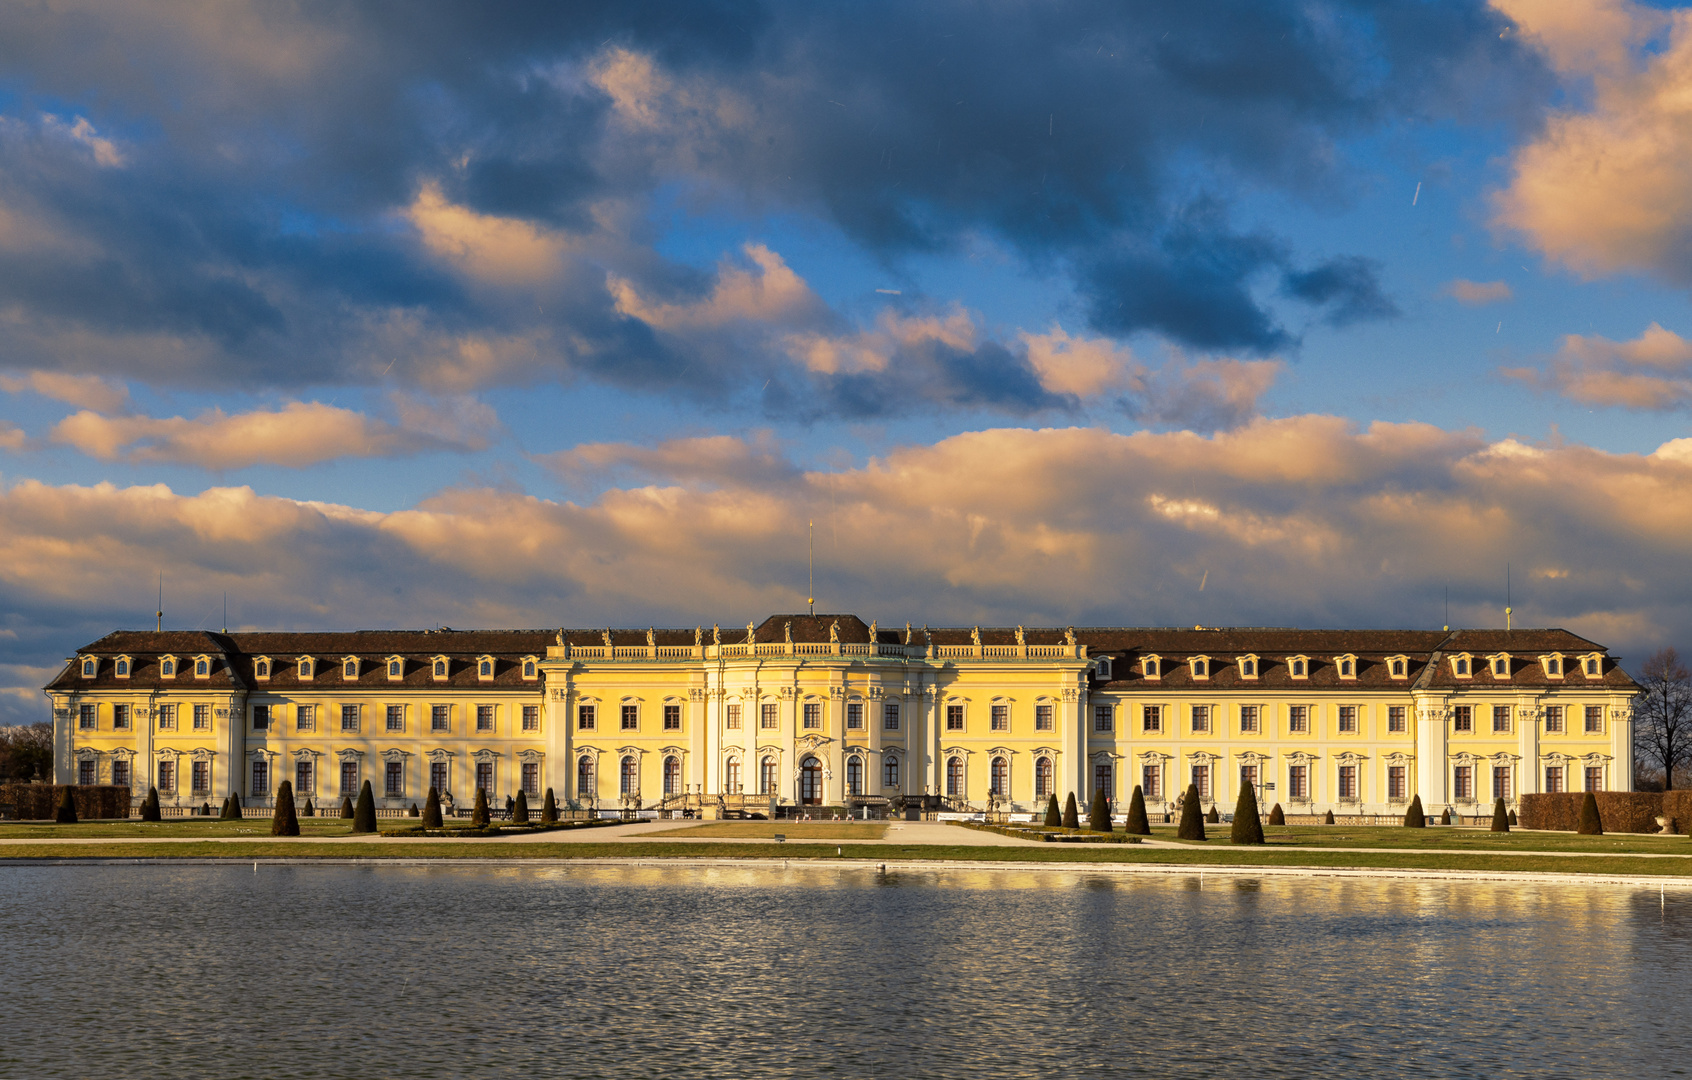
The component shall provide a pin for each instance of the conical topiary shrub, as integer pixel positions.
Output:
(1445, 816)
(66, 813)
(150, 806)
(1413, 817)
(311, 808)
(1500, 816)
(1215, 815)
(1277, 816)
(283, 821)
(1513, 820)
(346, 807)
(479, 816)
(549, 809)
(413, 812)
(1071, 817)
(432, 809)
(1054, 816)
(1137, 824)
(1247, 827)
(1328, 818)
(1192, 819)
(520, 808)
(226, 814)
(1098, 814)
(364, 815)
(1590, 823)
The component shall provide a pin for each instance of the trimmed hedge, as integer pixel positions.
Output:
(520, 808)
(1137, 824)
(347, 810)
(1590, 822)
(1215, 815)
(1054, 816)
(1248, 827)
(1500, 816)
(549, 809)
(283, 821)
(150, 806)
(1414, 818)
(1192, 820)
(1277, 816)
(432, 809)
(1071, 818)
(1619, 811)
(364, 815)
(1328, 818)
(39, 802)
(1098, 818)
(479, 815)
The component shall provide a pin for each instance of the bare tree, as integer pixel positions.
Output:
(1662, 715)
(26, 749)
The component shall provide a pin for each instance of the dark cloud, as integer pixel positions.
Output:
(253, 232)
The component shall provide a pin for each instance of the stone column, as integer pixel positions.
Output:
(1074, 728)
(1529, 776)
(834, 786)
(1432, 775)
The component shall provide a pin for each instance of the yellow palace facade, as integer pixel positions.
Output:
(826, 710)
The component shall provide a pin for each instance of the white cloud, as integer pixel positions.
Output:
(502, 250)
(1651, 372)
(87, 391)
(768, 292)
(105, 151)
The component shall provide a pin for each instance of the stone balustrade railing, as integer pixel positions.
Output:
(809, 648)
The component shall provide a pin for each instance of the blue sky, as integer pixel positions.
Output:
(389, 314)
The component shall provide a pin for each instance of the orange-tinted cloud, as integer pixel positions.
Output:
(1651, 372)
(1476, 293)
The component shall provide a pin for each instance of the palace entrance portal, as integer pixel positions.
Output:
(810, 782)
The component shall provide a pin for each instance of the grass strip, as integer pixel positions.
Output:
(447, 850)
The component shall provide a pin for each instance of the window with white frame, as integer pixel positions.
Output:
(396, 667)
(90, 667)
(1151, 667)
(1347, 667)
(485, 668)
(121, 668)
(485, 718)
(1044, 716)
(1201, 667)
(349, 719)
(396, 718)
(1201, 718)
(954, 717)
(305, 667)
(202, 717)
(1298, 718)
(1298, 667)
(1250, 719)
(1104, 719)
(1248, 667)
(1501, 667)
(854, 716)
(531, 718)
(393, 780)
(1591, 669)
(768, 719)
(167, 716)
(440, 718)
(1594, 719)
(261, 669)
(349, 778)
(167, 667)
(529, 669)
(811, 715)
(1348, 719)
(305, 717)
(1151, 717)
(731, 716)
(440, 668)
(202, 667)
(587, 716)
(890, 716)
(349, 668)
(631, 716)
(1460, 666)
(1397, 667)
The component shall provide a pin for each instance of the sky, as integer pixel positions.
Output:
(1061, 313)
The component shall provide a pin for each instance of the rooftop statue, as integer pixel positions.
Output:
(716, 634)
(1021, 638)
(834, 632)
(651, 638)
(607, 639)
(751, 633)
(975, 636)
(1069, 636)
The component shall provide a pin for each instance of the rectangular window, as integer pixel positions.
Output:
(1201, 717)
(202, 718)
(767, 715)
(1104, 719)
(1201, 780)
(167, 717)
(954, 718)
(393, 785)
(890, 716)
(1298, 782)
(305, 718)
(1553, 718)
(1395, 718)
(120, 773)
(485, 777)
(586, 717)
(1463, 783)
(1553, 778)
(261, 717)
(200, 777)
(812, 715)
(999, 716)
(531, 777)
(85, 771)
(1249, 718)
(485, 718)
(890, 773)
(1501, 781)
(1463, 718)
(261, 777)
(349, 779)
(1348, 718)
(305, 778)
(1348, 782)
(1500, 719)
(630, 717)
(1151, 717)
(1594, 720)
(88, 717)
(1151, 781)
(531, 718)
(438, 777)
(732, 718)
(1595, 778)
(1248, 777)
(396, 718)
(120, 717)
(1395, 783)
(1298, 718)
(1044, 718)
(167, 777)
(349, 719)
(854, 716)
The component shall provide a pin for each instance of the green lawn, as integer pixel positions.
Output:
(1445, 838)
(793, 830)
(176, 827)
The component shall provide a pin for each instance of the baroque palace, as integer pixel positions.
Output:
(826, 710)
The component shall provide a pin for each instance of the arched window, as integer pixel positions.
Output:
(396, 668)
(810, 782)
(201, 667)
(732, 776)
(854, 776)
(1592, 666)
(890, 772)
(1553, 666)
(767, 776)
(1501, 666)
(1298, 667)
(955, 777)
(349, 669)
(1249, 668)
(528, 669)
(629, 784)
(440, 669)
(1104, 780)
(486, 669)
(999, 778)
(1398, 667)
(89, 667)
(1462, 665)
(1201, 668)
(167, 668)
(585, 787)
(123, 667)
(262, 669)
(1345, 668)
(1042, 777)
(672, 775)
(305, 668)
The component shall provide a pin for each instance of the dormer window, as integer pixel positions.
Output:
(90, 667)
(1248, 667)
(1553, 665)
(1398, 666)
(167, 667)
(484, 667)
(1347, 666)
(1501, 666)
(1201, 667)
(349, 667)
(396, 667)
(440, 667)
(306, 667)
(1151, 667)
(1592, 666)
(1460, 666)
(1103, 669)
(121, 667)
(530, 669)
(261, 668)
(202, 667)
(1298, 667)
